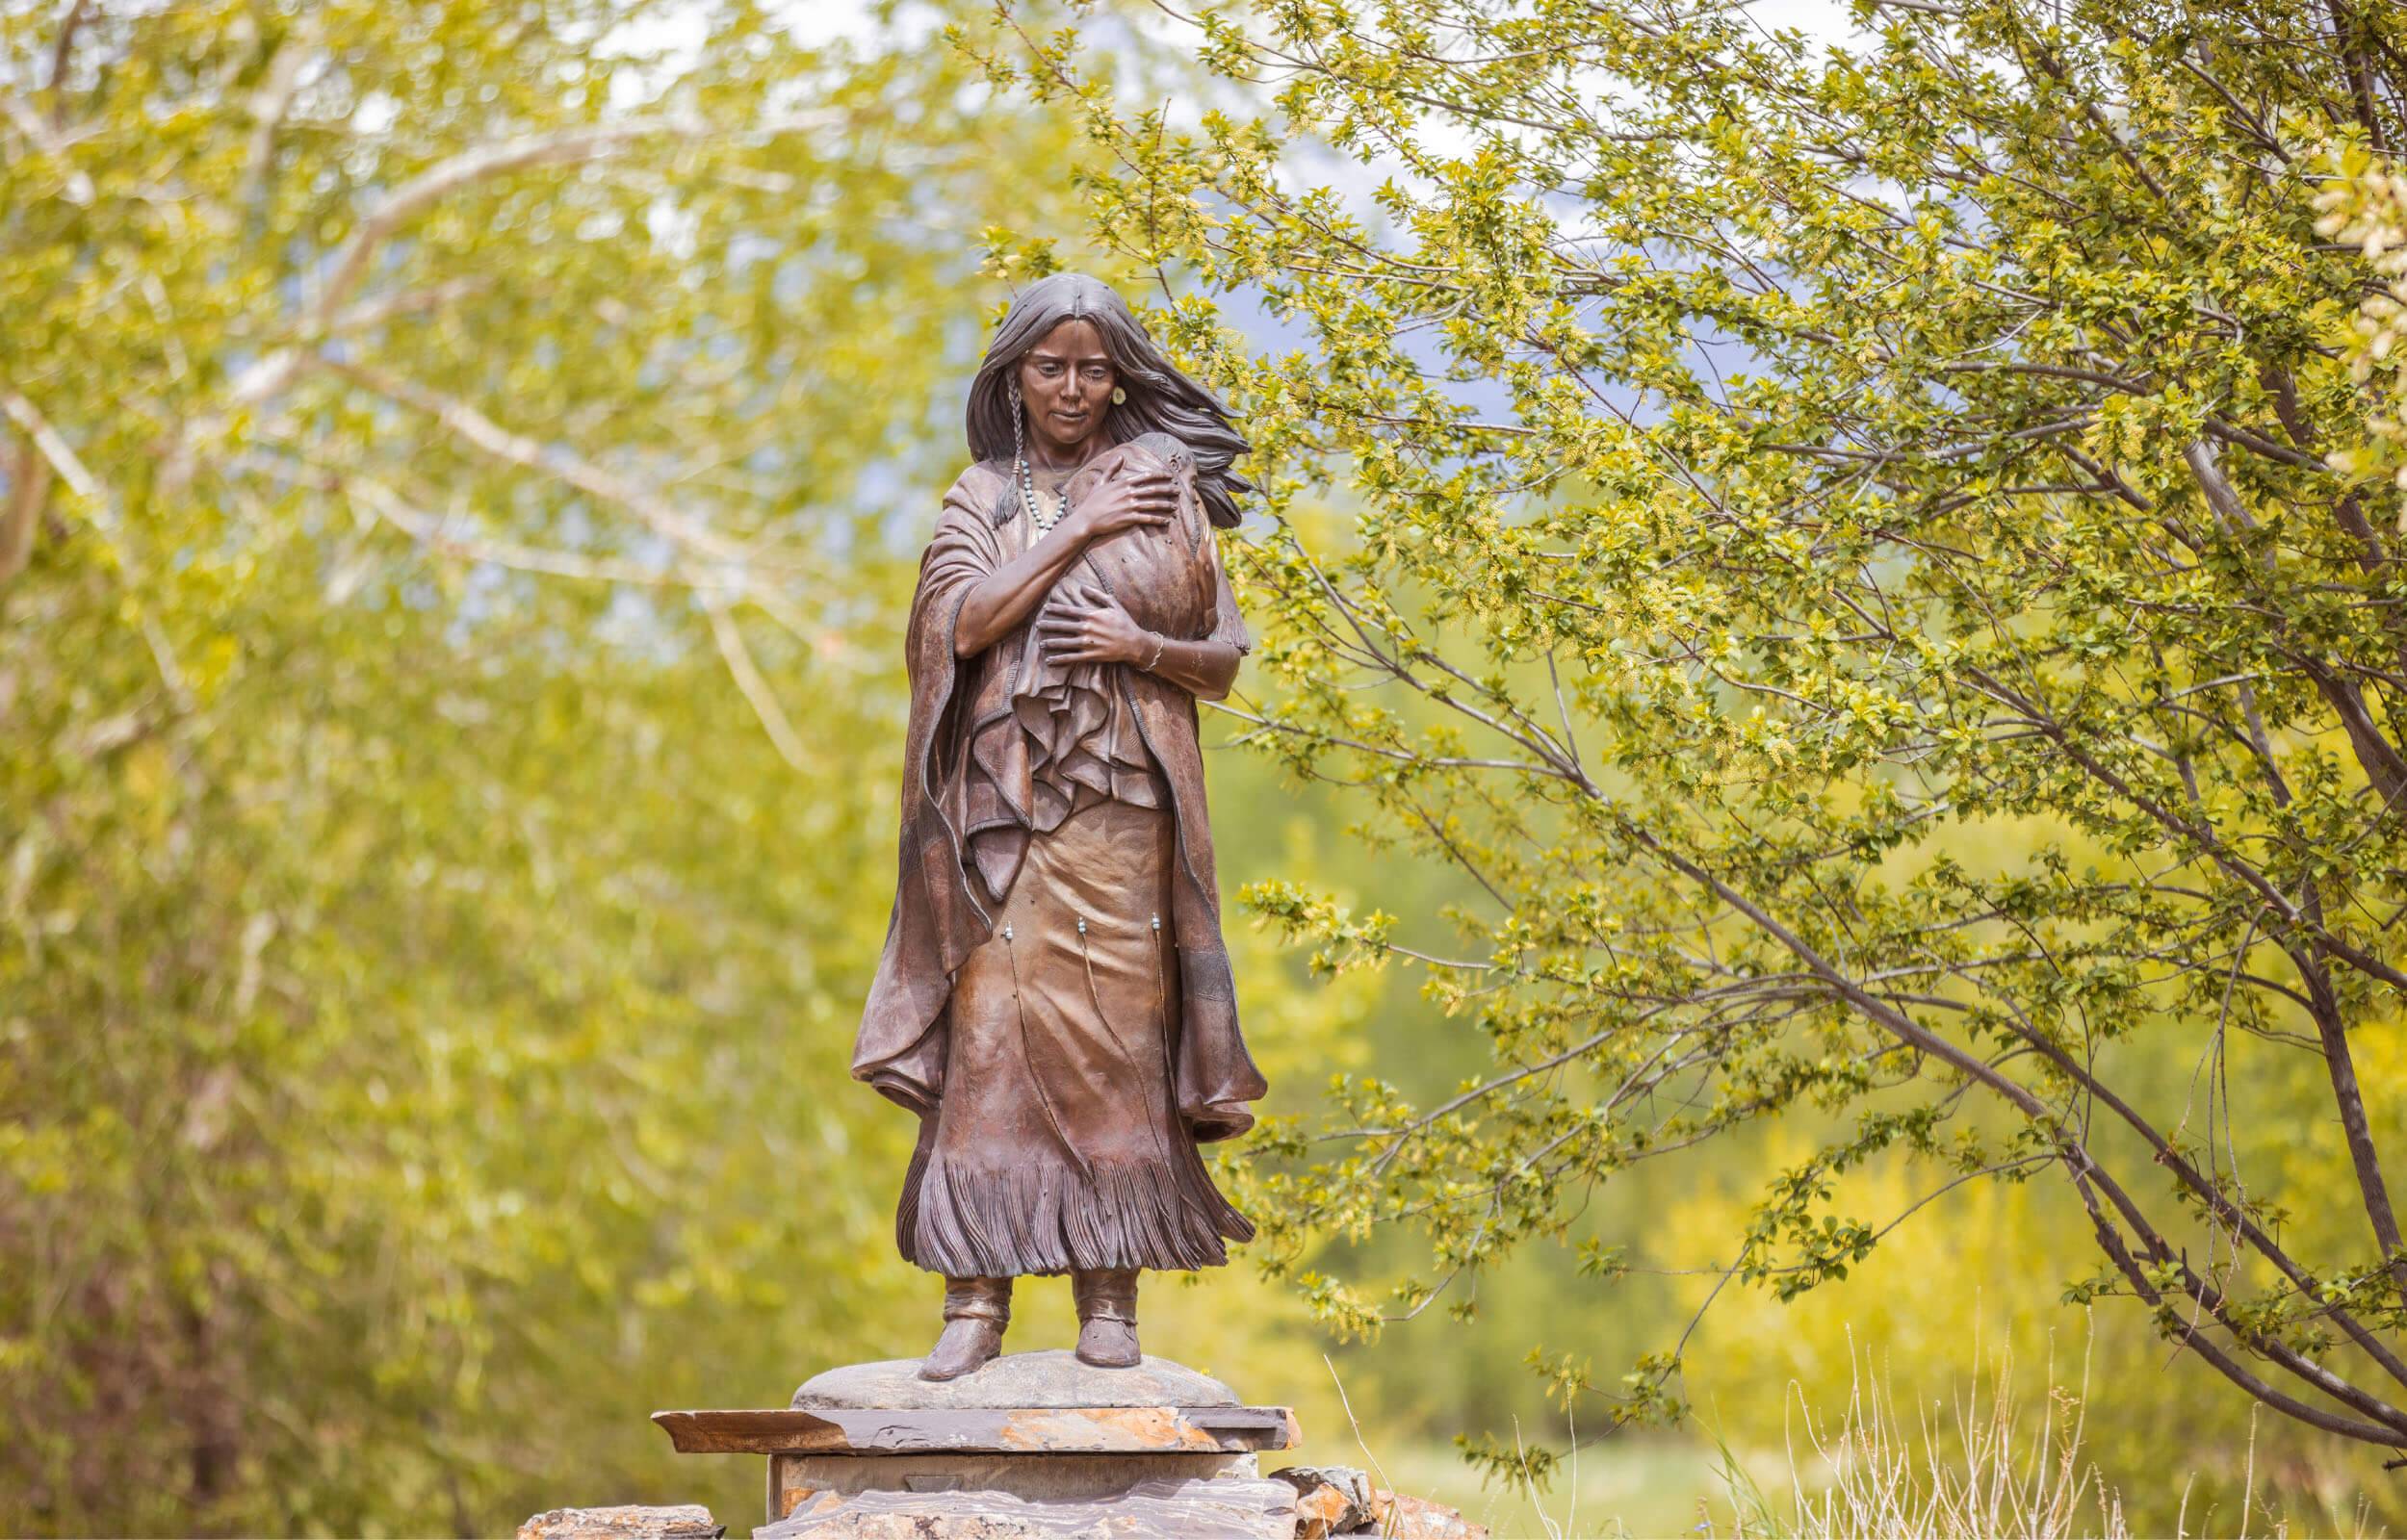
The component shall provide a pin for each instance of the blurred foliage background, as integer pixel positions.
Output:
(462, 474)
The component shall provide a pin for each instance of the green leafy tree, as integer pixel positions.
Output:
(460, 477)
(1870, 556)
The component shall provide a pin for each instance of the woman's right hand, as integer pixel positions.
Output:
(1125, 501)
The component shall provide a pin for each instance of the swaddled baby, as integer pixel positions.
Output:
(1167, 577)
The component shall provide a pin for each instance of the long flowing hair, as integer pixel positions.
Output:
(1160, 399)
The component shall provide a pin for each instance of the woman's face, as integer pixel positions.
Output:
(1066, 381)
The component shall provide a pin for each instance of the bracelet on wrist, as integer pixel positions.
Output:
(1159, 642)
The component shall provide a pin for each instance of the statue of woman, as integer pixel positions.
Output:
(1054, 1000)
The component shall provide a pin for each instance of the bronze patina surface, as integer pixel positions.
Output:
(1053, 1000)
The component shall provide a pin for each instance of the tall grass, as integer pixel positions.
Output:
(1981, 1463)
(1987, 1469)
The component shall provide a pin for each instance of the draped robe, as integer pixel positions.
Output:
(972, 799)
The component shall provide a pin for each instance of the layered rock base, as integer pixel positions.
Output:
(1032, 1447)
(1033, 1444)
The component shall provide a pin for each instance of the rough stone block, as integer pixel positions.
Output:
(1224, 1508)
(688, 1520)
(797, 1479)
(1329, 1498)
(1399, 1517)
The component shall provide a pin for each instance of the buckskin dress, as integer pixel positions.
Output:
(1053, 999)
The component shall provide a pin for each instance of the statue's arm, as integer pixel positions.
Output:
(1205, 669)
(1003, 598)
(1087, 624)
(1208, 667)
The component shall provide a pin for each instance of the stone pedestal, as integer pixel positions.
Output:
(1033, 1444)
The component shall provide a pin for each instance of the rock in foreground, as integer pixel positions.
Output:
(1338, 1500)
(1399, 1517)
(1330, 1499)
(688, 1521)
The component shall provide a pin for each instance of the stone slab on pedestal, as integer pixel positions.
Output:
(1050, 1378)
(869, 1432)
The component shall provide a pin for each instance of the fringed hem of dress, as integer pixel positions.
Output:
(1044, 1217)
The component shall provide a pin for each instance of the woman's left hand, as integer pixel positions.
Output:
(1082, 623)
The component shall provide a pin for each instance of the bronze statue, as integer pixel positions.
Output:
(1054, 1000)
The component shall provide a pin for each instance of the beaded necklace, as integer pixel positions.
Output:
(1027, 477)
(1028, 500)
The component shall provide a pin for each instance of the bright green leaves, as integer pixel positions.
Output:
(451, 703)
(2365, 205)
(1867, 561)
